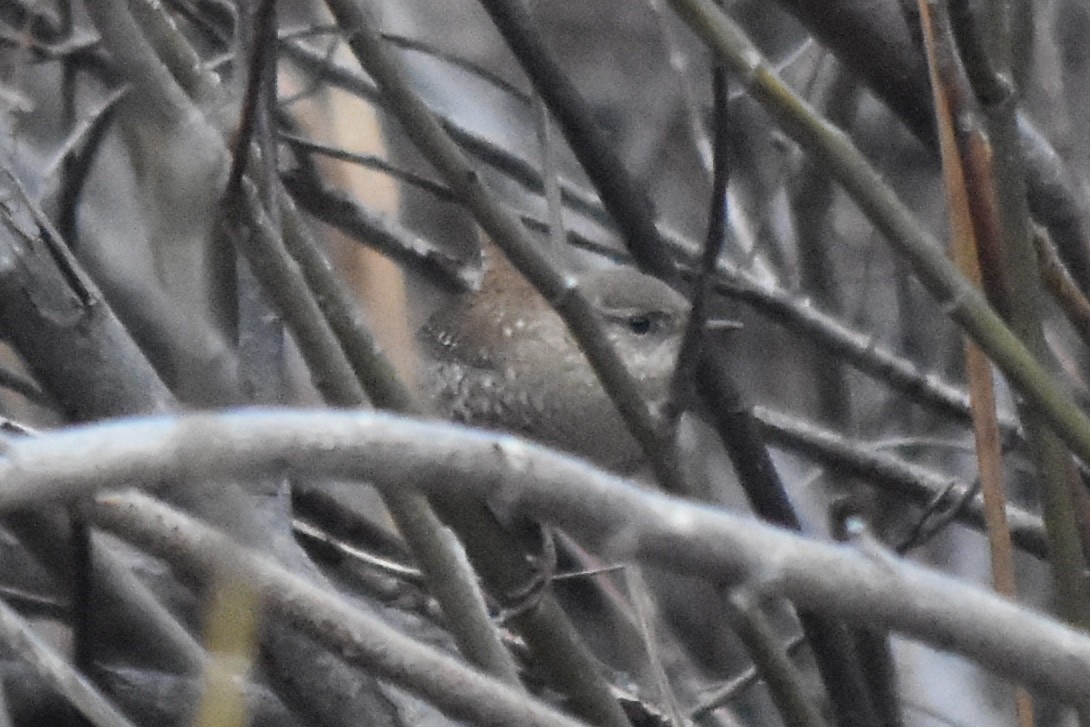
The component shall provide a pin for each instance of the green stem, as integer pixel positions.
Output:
(961, 301)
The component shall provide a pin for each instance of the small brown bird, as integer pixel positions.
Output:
(503, 359)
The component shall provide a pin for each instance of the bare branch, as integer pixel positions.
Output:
(521, 478)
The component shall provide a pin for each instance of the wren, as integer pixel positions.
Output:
(501, 358)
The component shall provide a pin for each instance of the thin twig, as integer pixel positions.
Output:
(693, 340)
(549, 175)
(19, 636)
(734, 688)
(783, 680)
(261, 55)
(892, 474)
(1063, 288)
(370, 161)
(627, 203)
(383, 234)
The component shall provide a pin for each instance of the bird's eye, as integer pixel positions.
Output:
(639, 324)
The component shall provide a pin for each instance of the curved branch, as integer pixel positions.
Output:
(623, 520)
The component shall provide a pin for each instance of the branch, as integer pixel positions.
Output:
(922, 487)
(19, 636)
(872, 39)
(962, 302)
(362, 639)
(521, 478)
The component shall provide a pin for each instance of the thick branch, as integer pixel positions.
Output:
(517, 477)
